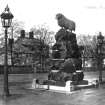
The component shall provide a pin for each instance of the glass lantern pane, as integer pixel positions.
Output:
(2, 21)
(9, 22)
(6, 23)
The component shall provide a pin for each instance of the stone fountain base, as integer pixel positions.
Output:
(68, 87)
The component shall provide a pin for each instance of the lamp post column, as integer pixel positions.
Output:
(11, 45)
(100, 41)
(6, 19)
(100, 64)
(6, 90)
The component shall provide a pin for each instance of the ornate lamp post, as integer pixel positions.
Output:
(6, 19)
(11, 42)
(100, 40)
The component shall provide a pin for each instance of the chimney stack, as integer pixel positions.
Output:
(31, 35)
(22, 34)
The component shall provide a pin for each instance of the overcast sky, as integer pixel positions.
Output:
(89, 15)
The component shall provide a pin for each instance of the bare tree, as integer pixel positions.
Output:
(42, 32)
(89, 42)
(46, 38)
(13, 31)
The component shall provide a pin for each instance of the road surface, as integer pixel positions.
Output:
(20, 95)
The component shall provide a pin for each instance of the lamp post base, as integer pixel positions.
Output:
(100, 75)
(100, 80)
(6, 94)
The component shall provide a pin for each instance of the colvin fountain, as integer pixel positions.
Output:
(66, 54)
(66, 63)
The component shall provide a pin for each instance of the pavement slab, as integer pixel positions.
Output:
(23, 96)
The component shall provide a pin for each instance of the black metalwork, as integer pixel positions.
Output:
(6, 18)
(100, 40)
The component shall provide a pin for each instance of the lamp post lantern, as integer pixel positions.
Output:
(100, 40)
(6, 19)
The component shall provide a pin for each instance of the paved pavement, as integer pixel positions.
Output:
(20, 95)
